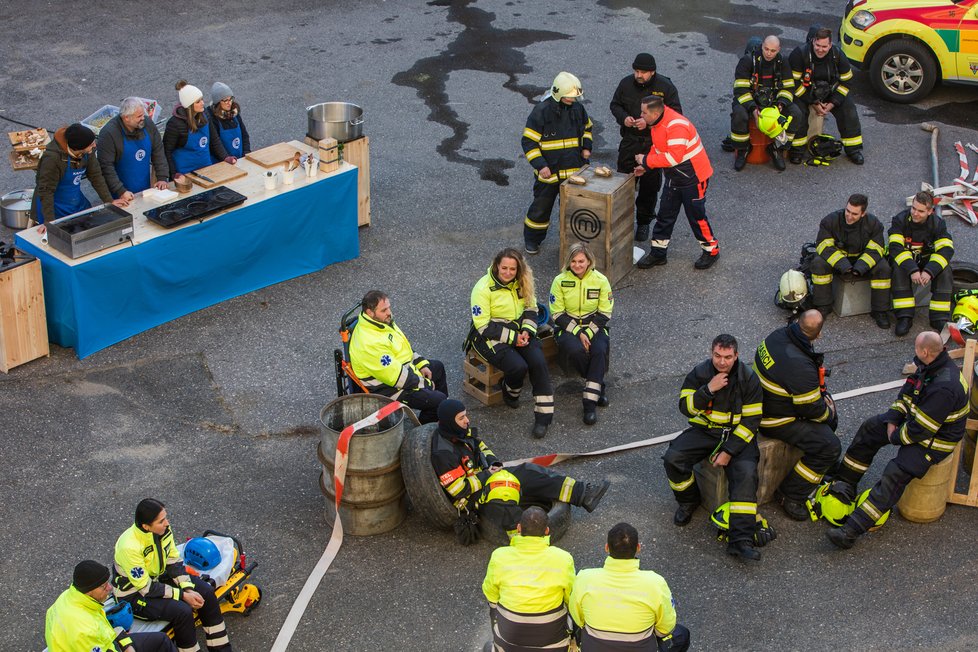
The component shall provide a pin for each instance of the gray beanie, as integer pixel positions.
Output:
(220, 91)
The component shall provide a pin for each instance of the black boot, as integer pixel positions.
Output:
(744, 550)
(740, 160)
(903, 326)
(796, 156)
(641, 233)
(881, 318)
(593, 493)
(795, 509)
(651, 259)
(777, 158)
(590, 416)
(842, 537)
(539, 430)
(706, 259)
(684, 514)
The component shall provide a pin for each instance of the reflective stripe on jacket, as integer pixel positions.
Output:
(932, 406)
(678, 150)
(383, 359)
(736, 407)
(529, 576)
(554, 136)
(581, 304)
(839, 242)
(927, 243)
(790, 381)
(141, 557)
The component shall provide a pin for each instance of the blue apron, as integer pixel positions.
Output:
(231, 138)
(195, 154)
(68, 197)
(133, 167)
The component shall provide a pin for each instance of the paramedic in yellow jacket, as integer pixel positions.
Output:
(528, 584)
(151, 576)
(504, 333)
(581, 305)
(384, 361)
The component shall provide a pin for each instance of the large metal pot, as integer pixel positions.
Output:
(340, 120)
(15, 208)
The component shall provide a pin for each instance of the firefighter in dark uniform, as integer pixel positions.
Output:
(798, 409)
(626, 106)
(850, 243)
(723, 400)
(926, 422)
(556, 142)
(762, 79)
(474, 478)
(920, 252)
(821, 73)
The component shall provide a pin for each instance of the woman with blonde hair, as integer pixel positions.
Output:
(504, 333)
(187, 140)
(581, 305)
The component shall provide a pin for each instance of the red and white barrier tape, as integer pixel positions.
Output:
(336, 539)
(284, 637)
(963, 178)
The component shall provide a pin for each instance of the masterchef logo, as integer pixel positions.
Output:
(203, 142)
(140, 154)
(236, 143)
(585, 225)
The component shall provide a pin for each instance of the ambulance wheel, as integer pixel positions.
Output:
(428, 499)
(903, 71)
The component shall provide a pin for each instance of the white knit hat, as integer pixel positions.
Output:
(188, 95)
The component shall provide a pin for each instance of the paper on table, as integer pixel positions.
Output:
(160, 195)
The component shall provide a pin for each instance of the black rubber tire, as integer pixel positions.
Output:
(560, 519)
(965, 275)
(894, 61)
(428, 499)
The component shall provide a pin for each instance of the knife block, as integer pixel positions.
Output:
(329, 153)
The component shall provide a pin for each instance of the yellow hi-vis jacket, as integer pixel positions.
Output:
(581, 304)
(76, 623)
(141, 557)
(529, 576)
(499, 311)
(383, 358)
(623, 599)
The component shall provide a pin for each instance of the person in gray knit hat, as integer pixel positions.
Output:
(224, 117)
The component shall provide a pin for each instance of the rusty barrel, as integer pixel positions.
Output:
(925, 499)
(373, 499)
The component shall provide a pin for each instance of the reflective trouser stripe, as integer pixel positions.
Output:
(543, 404)
(807, 473)
(855, 465)
(540, 226)
(684, 485)
(566, 489)
(592, 391)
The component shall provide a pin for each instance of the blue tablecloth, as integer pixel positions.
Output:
(103, 301)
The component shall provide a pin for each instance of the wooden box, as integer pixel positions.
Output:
(777, 460)
(549, 345)
(23, 323)
(600, 214)
(482, 381)
(357, 152)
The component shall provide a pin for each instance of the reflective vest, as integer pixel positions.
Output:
(141, 557)
(578, 304)
(76, 623)
(383, 358)
(499, 311)
(621, 598)
(678, 150)
(529, 576)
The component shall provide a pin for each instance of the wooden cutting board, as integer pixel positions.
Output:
(273, 156)
(221, 173)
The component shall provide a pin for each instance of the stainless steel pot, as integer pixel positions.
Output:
(340, 120)
(15, 209)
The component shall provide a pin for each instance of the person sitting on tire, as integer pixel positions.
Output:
(475, 481)
(528, 584)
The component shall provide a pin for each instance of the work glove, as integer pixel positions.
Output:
(763, 533)
(467, 528)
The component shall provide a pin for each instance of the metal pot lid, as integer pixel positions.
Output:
(18, 200)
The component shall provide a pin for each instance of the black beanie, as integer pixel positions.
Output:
(79, 136)
(644, 61)
(89, 575)
(447, 411)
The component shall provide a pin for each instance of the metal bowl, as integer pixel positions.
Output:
(15, 209)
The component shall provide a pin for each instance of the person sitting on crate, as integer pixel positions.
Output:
(383, 360)
(78, 622)
(151, 576)
(475, 481)
(504, 334)
(581, 305)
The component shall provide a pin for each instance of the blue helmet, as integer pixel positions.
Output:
(120, 615)
(202, 554)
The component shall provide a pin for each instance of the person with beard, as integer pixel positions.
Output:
(626, 106)
(475, 480)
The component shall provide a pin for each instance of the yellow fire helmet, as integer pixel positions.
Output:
(771, 122)
(566, 85)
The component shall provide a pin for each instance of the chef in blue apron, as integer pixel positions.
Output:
(224, 116)
(68, 159)
(187, 140)
(130, 149)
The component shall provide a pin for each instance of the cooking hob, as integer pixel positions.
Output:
(194, 208)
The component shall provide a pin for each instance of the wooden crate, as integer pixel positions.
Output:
(600, 214)
(549, 345)
(481, 380)
(23, 323)
(777, 460)
(357, 152)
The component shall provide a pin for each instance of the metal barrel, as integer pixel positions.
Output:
(373, 492)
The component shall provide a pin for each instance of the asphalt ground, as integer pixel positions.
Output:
(216, 413)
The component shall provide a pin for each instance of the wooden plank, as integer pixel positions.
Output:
(953, 495)
(23, 161)
(220, 173)
(357, 152)
(28, 139)
(274, 155)
(23, 323)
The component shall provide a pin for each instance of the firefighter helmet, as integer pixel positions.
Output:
(883, 517)
(771, 122)
(831, 506)
(721, 516)
(965, 313)
(825, 147)
(566, 85)
(792, 290)
(501, 485)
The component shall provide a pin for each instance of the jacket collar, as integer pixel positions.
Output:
(530, 543)
(929, 369)
(499, 285)
(83, 600)
(376, 324)
(622, 565)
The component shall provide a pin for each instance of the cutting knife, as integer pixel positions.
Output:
(201, 176)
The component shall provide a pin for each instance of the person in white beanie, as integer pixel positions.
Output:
(187, 140)
(224, 117)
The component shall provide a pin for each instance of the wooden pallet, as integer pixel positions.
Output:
(482, 381)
